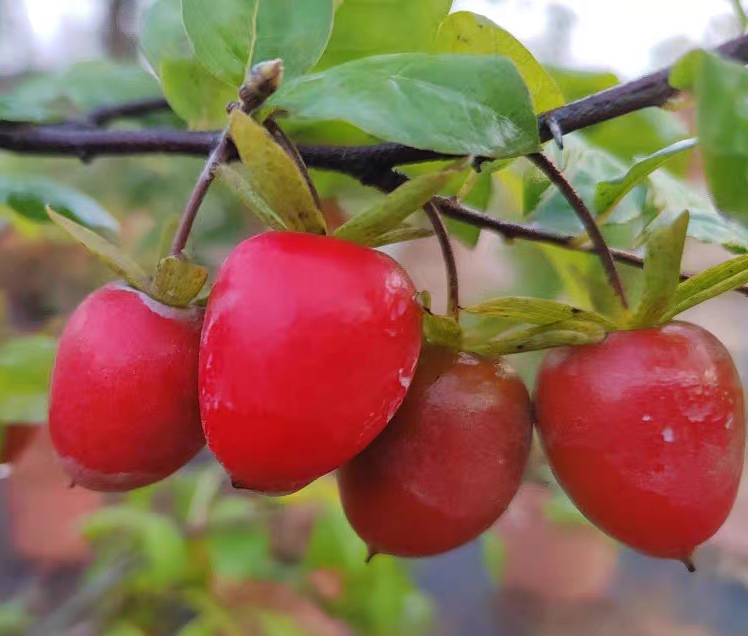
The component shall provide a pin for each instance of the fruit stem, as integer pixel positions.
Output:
(450, 263)
(264, 79)
(556, 177)
(370, 554)
(688, 562)
(293, 152)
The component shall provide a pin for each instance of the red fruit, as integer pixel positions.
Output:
(123, 407)
(448, 464)
(308, 348)
(14, 439)
(645, 432)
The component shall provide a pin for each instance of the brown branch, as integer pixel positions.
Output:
(103, 115)
(556, 177)
(448, 256)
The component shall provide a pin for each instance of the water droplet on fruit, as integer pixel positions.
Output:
(728, 422)
(5, 471)
(668, 435)
(646, 418)
(404, 378)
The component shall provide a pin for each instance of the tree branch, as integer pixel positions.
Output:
(448, 256)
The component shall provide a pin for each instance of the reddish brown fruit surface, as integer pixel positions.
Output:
(449, 462)
(309, 345)
(15, 439)
(123, 400)
(645, 432)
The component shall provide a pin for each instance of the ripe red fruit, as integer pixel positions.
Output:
(448, 464)
(15, 439)
(309, 346)
(645, 432)
(123, 400)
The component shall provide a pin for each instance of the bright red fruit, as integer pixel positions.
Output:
(123, 404)
(449, 462)
(15, 439)
(645, 432)
(309, 346)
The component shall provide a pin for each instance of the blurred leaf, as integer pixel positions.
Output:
(156, 538)
(162, 33)
(559, 509)
(14, 618)
(123, 628)
(213, 618)
(400, 234)
(25, 365)
(242, 189)
(386, 214)
(535, 311)
(242, 552)
(710, 283)
(494, 555)
(721, 90)
(706, 225)
(120, 262)
(28, 196)
(584, 166)
(274, 176)
(476, 104)
(230, 36)
(194, 94)
(577, 83)
(274, 624)
(364, 28)
(665, 238)
(177, 281)
(609, 193)
(466, 32)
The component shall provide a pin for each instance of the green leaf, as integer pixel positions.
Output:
(25, 365)
(535, 311)
(120, 262)
(584, 166)
(559, 509)
(240, 553)
(274, 176)
(466, 32)
(608, 194)
(442, 330)
(666, 193)
(364, 28)
(709, 283)
(243, 190)
(14, 618)
(387, 214)
(194, 94)
(476, 104)
(400, 234)
(28, 196)
(494, 555)
(177, 281)
(230, 36)
(665, 238)
(721, 91)
(162, 33)
(123, 628)
(155, 537)
(565, 332)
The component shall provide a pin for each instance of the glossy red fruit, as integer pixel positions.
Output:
(14, 439)
(449, 462)
(645, 432)
(123, 401)
(309, 346)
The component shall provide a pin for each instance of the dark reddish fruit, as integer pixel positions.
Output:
(123, 406)
(14, 439)
(645, 432)
(309, 346)
(449, 462)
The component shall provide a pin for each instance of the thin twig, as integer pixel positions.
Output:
(448, 255)
(292, 151)
(103, 115)
(263, 81)
(556, 177)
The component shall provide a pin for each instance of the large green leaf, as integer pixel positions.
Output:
(364, 28)
(721, 90)
(706, 224)
(536, 311)
(229, 36)
(25, 365)
(466, 32)
(29, 195)
(458, 104)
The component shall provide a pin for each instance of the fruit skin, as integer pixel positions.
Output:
(14, 440)
(123, 400)
(645, 432)
(448, 464)
(309, 346)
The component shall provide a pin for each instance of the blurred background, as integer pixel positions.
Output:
(190, 557)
